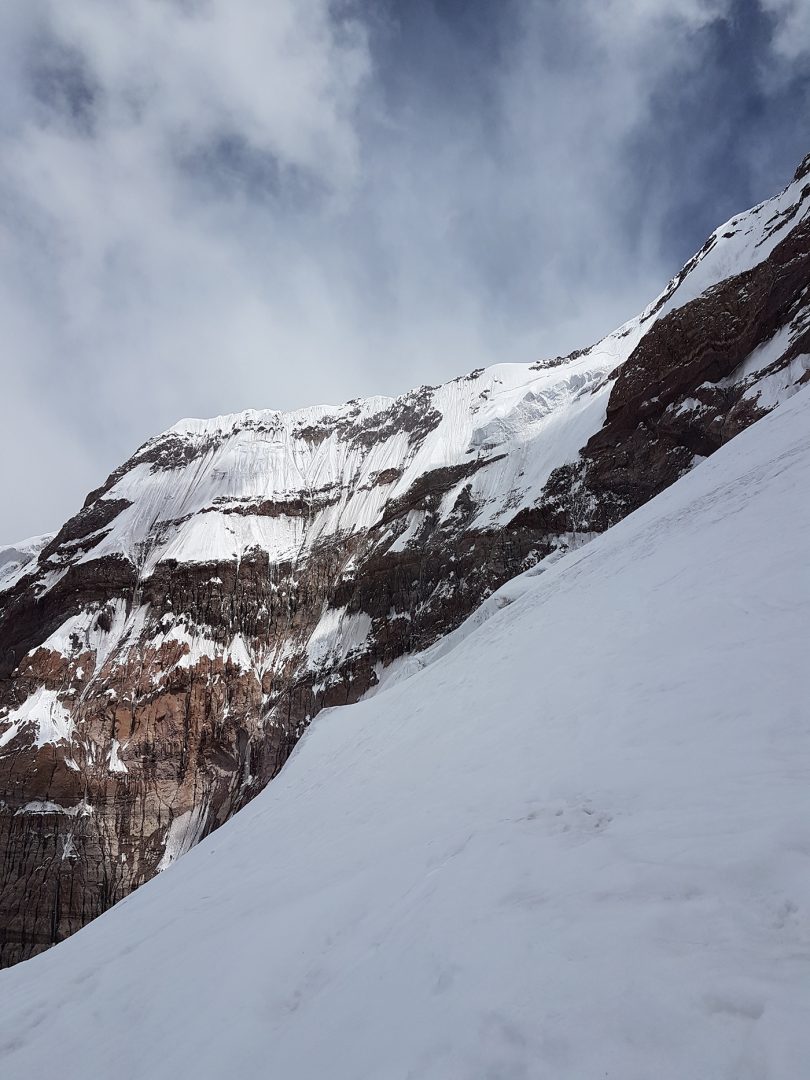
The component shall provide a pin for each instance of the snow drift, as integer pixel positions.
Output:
(575, 845)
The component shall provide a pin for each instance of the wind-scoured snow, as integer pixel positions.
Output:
(198, 646)
(527, 420)
(183, 833)
(82, 809)
(84, 632)
(214, 490)
(15, 559)
(743, 242)
(575, 845)
(336, 635)
(43, 713)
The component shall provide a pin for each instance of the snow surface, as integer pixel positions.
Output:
(81, 809)
(526, 419)
(743, 242)
(337, 634)
(44, 712)
(82, 633)
(183, 833)
(16, 559)
(115, 764)
(576, 845)
(518, 421)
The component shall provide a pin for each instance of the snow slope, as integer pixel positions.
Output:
(194, 491)
(743, 242)
(16, 558)
(575, 846)
(206, 505)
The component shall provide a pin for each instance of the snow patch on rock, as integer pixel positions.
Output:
(43, 711)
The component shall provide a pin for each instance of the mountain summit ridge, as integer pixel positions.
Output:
(161, 654)
(574, 845)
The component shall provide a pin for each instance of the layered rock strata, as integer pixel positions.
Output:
(163, 652)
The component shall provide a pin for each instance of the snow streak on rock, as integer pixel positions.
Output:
(573, 843)
(161, 655)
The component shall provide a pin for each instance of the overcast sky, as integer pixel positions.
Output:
(212, 205)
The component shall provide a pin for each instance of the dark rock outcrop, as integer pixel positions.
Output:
(162, 654)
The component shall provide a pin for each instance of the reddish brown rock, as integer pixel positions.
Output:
(166, 692)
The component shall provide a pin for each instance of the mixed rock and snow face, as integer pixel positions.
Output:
(16, 558)
(574, 845)
(162, 653)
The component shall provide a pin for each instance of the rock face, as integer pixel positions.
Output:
(163, 652)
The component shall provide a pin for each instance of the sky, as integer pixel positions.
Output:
(213, 205)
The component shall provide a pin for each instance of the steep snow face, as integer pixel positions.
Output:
(15, 558)
(742, 243)
(574, 844)
(211, 490)
(46, 716)
(161, 655)
(208, 491)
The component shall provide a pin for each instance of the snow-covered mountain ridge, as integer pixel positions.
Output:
(161, 655)
(574, 845)
(211, 490)
(234, 465)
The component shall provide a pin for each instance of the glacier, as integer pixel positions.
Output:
(572, 844)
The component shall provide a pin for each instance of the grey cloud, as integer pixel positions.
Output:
(217, 205)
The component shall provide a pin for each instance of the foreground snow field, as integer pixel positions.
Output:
(576, 845)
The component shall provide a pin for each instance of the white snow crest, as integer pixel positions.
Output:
(17, 559)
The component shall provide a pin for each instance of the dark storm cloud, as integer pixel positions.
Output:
(212, 205)
(61, 82)
(729, 136)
